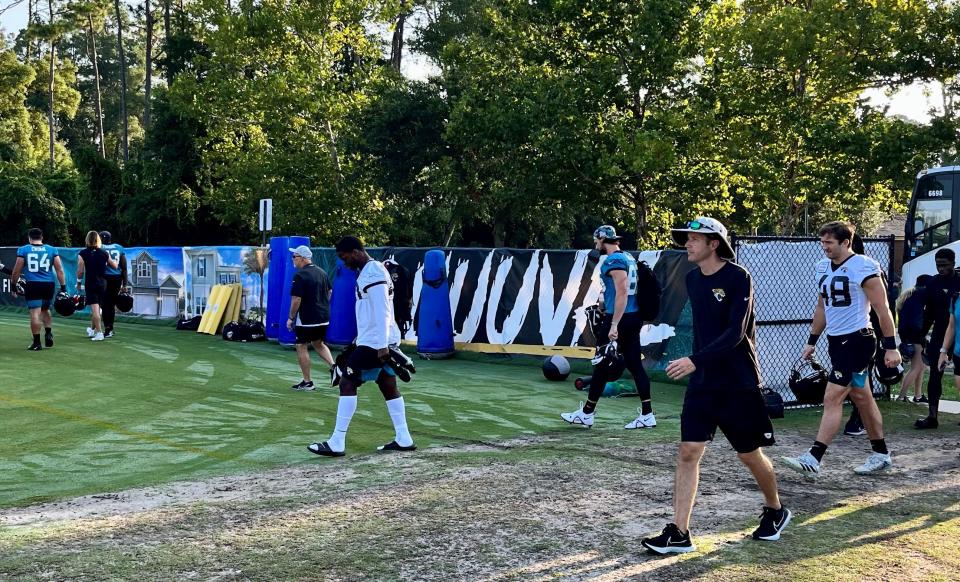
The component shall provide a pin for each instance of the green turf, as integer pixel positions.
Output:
(155, 404)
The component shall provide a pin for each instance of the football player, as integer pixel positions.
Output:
(38, 262)
(376, 333)
(848, 284)
(116, 281)
(621, 324)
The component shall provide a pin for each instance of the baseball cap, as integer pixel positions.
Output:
(302, 251)
(606, 232)
(705, 225)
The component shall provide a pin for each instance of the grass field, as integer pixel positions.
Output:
(165, 455)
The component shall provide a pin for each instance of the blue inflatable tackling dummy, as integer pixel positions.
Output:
(279, 281)
(434, 321)
(343, 315)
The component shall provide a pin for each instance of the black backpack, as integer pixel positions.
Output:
(190, 324)
(648, 292)
(235, 332)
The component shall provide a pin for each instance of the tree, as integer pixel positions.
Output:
(255, 262)
(123, 84)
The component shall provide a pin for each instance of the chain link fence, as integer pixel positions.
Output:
(786, 293)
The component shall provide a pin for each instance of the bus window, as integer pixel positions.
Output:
(932, 213)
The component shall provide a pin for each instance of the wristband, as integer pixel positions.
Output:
(943, 350)
(889, 342)
(812, 340)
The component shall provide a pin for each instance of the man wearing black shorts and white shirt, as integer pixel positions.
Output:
(848, 285)
(309, 312)
(724, 389)
(376, 333)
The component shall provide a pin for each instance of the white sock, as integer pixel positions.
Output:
(346, 406)
(398, 415)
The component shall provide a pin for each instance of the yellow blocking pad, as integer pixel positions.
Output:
(233, 306)
(217, 304)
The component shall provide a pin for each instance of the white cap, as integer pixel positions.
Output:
(705, 225)
(302, 251)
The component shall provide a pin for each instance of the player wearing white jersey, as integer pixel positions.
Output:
(848, 284)
(376, 333)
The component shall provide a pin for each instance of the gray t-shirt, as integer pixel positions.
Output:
(312, 286)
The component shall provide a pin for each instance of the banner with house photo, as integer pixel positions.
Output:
(205, 267)
(156, 280)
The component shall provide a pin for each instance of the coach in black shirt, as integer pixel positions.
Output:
(309, 312)
(942, 290)
(724, 388)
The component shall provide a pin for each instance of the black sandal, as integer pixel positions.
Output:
(393, 446)
(324, 450)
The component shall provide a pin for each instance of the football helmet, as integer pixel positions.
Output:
(21, 287)
(63, 304)
(609, 361)
(808, 381)
(887, 376)
(79, 301)
(124, 301)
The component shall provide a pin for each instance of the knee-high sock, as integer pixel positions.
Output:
(346, 406)
(398, 414)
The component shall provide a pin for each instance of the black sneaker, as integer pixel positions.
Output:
(922, 399)
(304, 386)
(772, 522)
(670, 541)
(855, 431)
(35, 347)
(48, 340)
(926, 422)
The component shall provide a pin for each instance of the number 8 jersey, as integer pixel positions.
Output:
(845, 303)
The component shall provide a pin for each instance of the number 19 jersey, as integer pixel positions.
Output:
(845, 303)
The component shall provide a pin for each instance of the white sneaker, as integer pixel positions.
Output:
(806, 464)
(98, 337)
(578, 417)
(91, 332)
(642, 421)
(875, 463)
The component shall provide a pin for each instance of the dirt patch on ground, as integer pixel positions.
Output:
(526, 509)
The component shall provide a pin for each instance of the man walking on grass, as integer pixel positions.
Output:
(309, 312)
(376, 333)
(724, 388)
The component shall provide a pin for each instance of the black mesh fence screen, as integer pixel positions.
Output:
(786, 293)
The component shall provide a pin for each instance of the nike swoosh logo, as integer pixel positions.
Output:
(843, 342)
(680, 543)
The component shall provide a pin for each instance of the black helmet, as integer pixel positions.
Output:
(124, 301)
(887, 376)
(63, 304)
(105, 237)
(808, 381)
(21, 287)
(609, 359)
(907, 350)
(79, 301)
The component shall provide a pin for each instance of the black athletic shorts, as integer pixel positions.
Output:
(912, 336)
(956, 364)
(364, 365)
(310, 334)
(39, 294)
(851, 356)
(95, 291)
(741, 415)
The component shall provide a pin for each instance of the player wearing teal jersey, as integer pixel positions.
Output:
(40, 266)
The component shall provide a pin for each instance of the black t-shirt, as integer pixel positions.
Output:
(940, 294)
(724, 330)
(312, 286)
(94, 266)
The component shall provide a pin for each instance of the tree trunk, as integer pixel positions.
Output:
(499, 233)
(29, 22)
(123, 83)
(640, 213)
(166, 38)
(396, 49)
(96, 85)
(148, 81)
(53, 58)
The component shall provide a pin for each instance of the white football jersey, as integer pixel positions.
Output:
(845, 302)
(376, 327)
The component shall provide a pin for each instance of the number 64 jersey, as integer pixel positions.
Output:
(845, 303)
